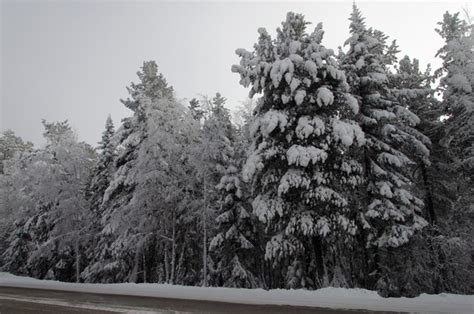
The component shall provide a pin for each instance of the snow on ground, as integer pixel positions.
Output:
(335, 298)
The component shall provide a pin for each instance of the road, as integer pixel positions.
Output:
(36, 301)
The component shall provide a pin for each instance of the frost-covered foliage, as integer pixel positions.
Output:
(347, 172)
(50, 204)
(392, 211)
(195, 109)
(412, 89)
(233, 248)
(10, 144)
(146, 199)
(213, 152)
(457, 85)
(432, 263)
(300, 163)
(104, 167)
(452, 169)
(99, 181)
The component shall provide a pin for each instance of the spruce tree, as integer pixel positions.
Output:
(300, 164)
(113, 261)
(457, 85)
(455, 159)
(103, 169)
(233, 248)
(391, 212)
(412, 89)
(98, 183)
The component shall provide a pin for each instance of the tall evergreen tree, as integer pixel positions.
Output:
(412, 89)
(233, 248)
(391, 206)
(103, 169)
(455, 158)
(98, 183)
(214, 152)
(113, 259)
(391, 211)
(300, 165)
(457, 85)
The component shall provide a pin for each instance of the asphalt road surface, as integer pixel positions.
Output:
(36, 301)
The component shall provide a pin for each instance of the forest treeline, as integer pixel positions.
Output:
(349, 169)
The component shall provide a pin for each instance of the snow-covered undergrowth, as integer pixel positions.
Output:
(335, 298)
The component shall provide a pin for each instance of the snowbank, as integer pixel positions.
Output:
(335, 298)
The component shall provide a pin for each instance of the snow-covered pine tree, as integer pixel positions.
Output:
(409, 268)
(455, 158)
(166, 178)
(104, 167)
(232, 249)
(51, 210)
(213, 154)
(387, 124)
(113, 261)
(10, 144)
(235, 251)
(391, 211)
(146, 206)
(300, 164)
(195, 108)
(218, 137)
(457, 85)
(99, 181)
(412, 89)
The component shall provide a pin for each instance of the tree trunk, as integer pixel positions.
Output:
(318, 252)
(134, 276)
(181, 260)
(144, 267)
(204, 247)
(78, 266)
(167, 277)
(429, 196)
(173, 249)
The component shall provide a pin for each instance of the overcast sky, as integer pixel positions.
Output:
(73, 59)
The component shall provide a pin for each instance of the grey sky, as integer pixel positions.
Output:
(73, 59)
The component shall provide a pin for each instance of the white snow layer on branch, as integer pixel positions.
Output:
(270, 121)
(299, 97)
(307, 126)
(279, 68)
(302, 155)
(346, 132)
(324, 97)
(352, 103)
(266, 208)
(253, 165)
(293, 178)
